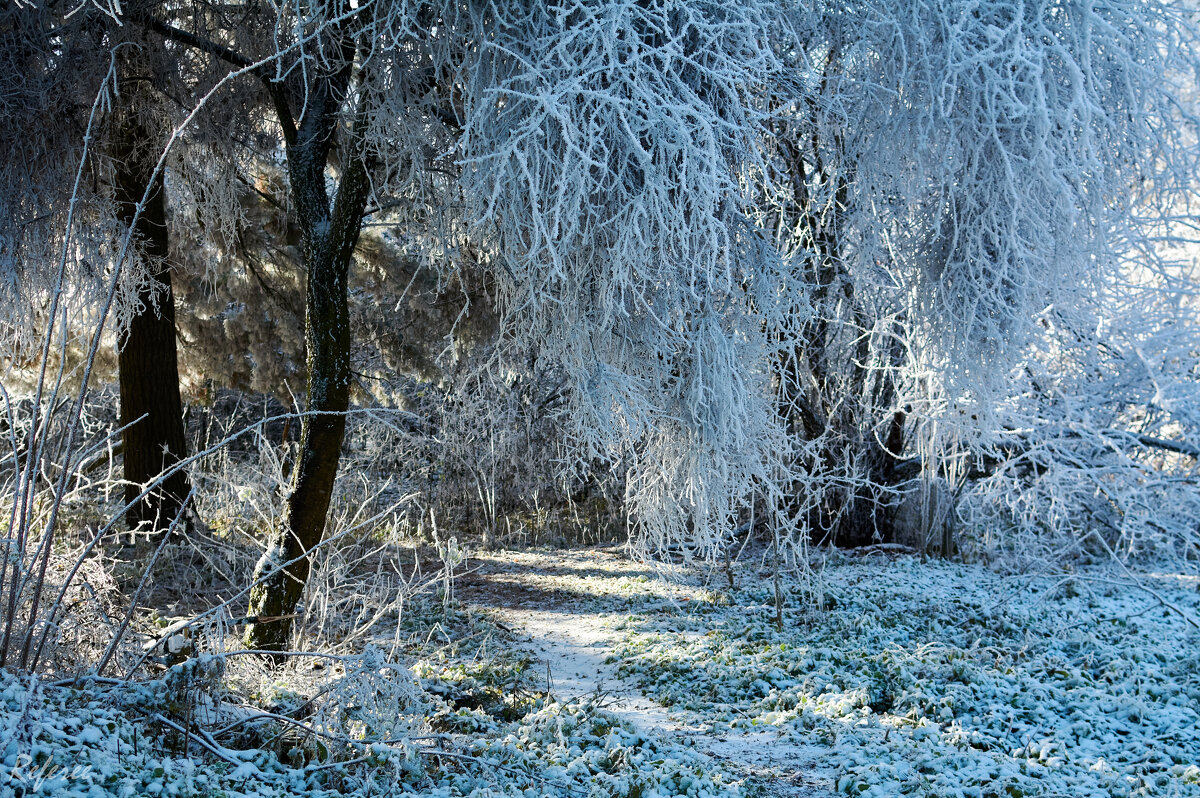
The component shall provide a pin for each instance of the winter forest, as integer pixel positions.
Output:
(630, 398)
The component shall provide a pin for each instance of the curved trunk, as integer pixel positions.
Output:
(285, 567)
(330, 236)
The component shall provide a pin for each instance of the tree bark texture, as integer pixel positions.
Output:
(330, 235)
(151, 409)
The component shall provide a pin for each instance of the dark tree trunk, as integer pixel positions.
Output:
(322, 428)
(147, 361)
(330, 236)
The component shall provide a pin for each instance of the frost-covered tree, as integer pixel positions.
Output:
(769, 252)
(151, 414)
(1099, 447)
(956, 170)
(327, 86)
(114, 187)
(605, 154)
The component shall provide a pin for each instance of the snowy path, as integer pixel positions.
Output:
(550, 599)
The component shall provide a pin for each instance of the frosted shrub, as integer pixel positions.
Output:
(373, 702)
(968, 192)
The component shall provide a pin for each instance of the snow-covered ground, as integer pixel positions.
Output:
(947, 680)
(580, 673)
(909, 678)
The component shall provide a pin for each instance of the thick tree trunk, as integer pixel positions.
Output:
(147, 360)
(826, 395)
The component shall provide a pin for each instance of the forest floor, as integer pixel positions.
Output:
(573, 609)
(582, 673)
(891, 675)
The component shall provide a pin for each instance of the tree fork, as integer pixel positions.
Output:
(329, 241)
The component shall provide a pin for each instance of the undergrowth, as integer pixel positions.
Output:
(455, 709)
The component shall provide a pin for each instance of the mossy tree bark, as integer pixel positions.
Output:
(153, 439)
(329, 237)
